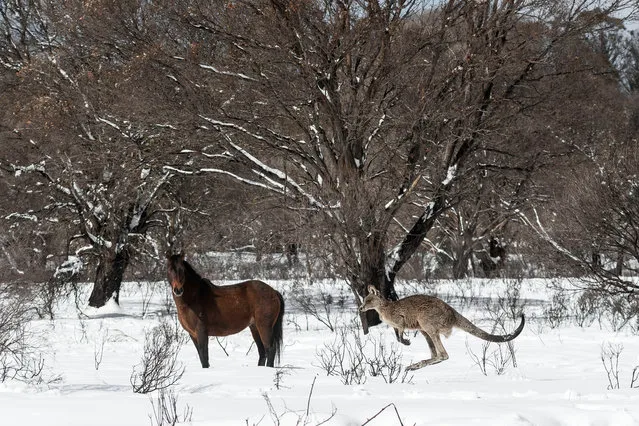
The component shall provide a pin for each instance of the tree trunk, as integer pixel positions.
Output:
(108, 277)
(460, 267)
(373, 272)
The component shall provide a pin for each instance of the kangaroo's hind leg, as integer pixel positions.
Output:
(437, 351)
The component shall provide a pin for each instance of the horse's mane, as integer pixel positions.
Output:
(191, 274)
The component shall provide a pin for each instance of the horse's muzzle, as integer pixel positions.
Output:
(178, 291)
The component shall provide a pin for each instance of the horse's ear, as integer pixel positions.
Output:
(181, 254)
(373, 290)
(167, 254)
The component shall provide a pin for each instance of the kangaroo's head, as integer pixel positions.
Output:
(372, 301)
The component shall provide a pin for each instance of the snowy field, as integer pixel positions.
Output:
(559, 378)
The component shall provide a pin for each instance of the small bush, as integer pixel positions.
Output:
(556, 313)
(348, 358)
(610, 358)
(20, 357)
(323, 309)
(159, 368)
(165, 409)
(622, 309)
(586, 309)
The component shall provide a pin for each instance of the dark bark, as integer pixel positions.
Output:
(415, 237)
(460, 267)
(108, 277)
(372, 273)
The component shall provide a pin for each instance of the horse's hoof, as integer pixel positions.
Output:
(405, 342)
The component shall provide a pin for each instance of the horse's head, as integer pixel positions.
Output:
(176, 273)
(372, 300)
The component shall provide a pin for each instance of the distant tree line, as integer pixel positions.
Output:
(387, 138)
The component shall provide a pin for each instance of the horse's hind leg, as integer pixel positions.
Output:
(270, 362)
(260, 346)
(266, 334)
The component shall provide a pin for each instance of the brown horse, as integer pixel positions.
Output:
(205, 309)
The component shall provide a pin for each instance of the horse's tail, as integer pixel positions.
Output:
(278, 334)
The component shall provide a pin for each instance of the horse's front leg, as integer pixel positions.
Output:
(202, 345)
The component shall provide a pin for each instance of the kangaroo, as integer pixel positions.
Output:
(432, 317)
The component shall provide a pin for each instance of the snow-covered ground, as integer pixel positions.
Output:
(559, 378)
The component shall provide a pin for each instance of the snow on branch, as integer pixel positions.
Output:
(288, 181)
(223, 172)
(146, 199)
(233, 126)
(23, 216)
(39, 168)
(375, 131)
(72, 266)
(98, 241)
(110, 123)
(402, 194)
(541, 231)
(227, 73)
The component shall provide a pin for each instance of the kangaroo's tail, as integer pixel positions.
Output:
(471, 328)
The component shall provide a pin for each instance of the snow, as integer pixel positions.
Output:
(70, 267)
(450, 174)
(559, 380)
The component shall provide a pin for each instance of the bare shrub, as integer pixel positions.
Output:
(556, 313)
(20, 357)
(510, 304)
(159, 367)
(467, 294)
(147, 291)
(386, 362)
(98, 349)
(621, 310)
(347, 358)
(322, 310)
(586, 309)
(280, 373)
(508, 307)
(46, 295)
(610, 354)
(344, 357)
(304, 417)
(493, 357)
(165, 409)
(399, 418)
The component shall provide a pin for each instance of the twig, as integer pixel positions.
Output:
(380, 412)
(217, 339)
(249, 349)
(308, 403)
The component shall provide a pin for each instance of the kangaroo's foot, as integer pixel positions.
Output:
(399, 334)
(424, 363)
(403, 341)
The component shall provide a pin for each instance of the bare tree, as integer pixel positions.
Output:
(374, 114)
(90, 125)
(592, 218)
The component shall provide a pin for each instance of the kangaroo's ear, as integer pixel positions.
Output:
(373, 290)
